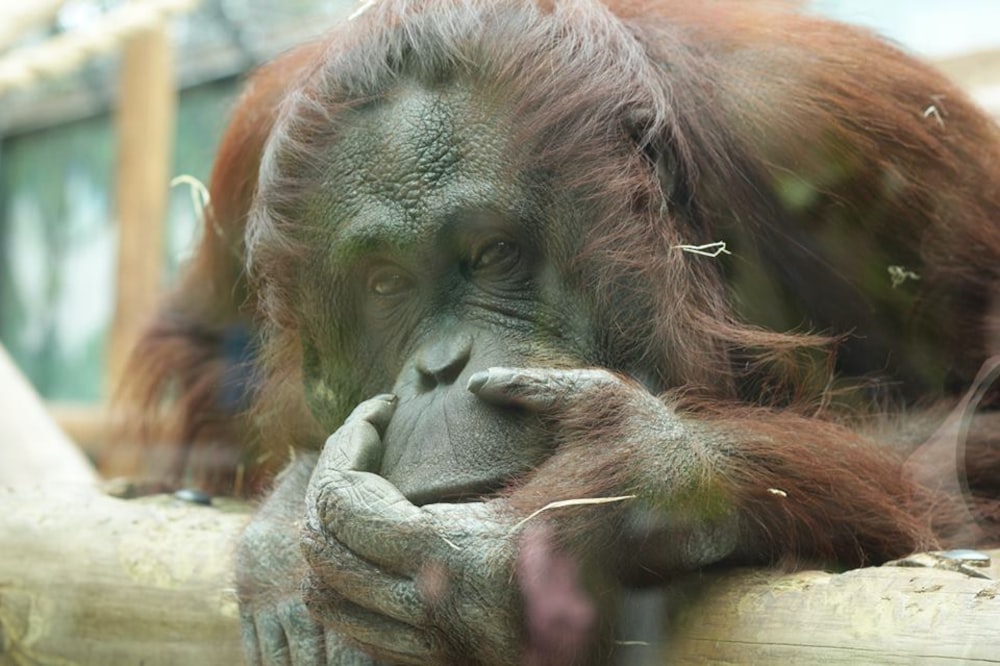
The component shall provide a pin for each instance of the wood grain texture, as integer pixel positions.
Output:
(88, 579)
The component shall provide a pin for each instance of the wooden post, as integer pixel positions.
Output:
(145, 122)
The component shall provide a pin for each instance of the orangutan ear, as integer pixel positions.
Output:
(675, 184)
(660, 152)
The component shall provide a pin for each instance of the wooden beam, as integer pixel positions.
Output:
(19, 19)
(32, 449)
(880, 615)
(87, 424)
(87, 579)
(90, 580)
(145, 128)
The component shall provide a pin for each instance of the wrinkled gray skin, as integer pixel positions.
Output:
(440, 257)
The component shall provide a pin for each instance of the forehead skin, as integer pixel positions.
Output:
(416, 161)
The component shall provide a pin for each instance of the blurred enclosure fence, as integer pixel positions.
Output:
(102, 104)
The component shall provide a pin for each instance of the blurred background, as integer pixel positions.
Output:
(104, 102)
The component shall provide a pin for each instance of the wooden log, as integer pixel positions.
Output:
(87, 424)
(32, 448)
(87, 579)
(880, 615)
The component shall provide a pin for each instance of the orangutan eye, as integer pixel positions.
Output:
(495, 257)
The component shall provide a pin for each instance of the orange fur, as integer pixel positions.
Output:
(788, 129)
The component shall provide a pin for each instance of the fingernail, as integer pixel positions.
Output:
(478, 380)
(386, 397)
